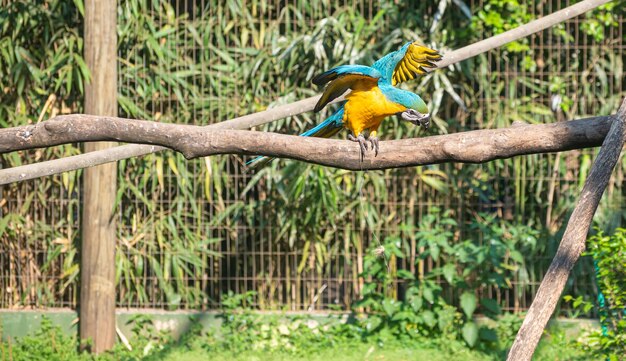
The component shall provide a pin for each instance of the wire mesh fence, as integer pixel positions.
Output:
(191, 231)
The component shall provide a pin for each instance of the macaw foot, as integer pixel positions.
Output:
(415, 117)
(374, 142)
(362, 142)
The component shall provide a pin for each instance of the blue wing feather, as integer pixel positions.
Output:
(387, 64)
(342, 78)
(334, 73)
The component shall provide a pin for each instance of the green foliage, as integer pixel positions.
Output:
(153, 67)
(507, 327)
(304, 336)
(498, 16)
(465, 266)
(243, 330)
(41, 62)
(604, 17)
(50, 343)
(608, 252)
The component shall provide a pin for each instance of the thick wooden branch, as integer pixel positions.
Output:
(193, 141)
(132, 150)
(573, 242)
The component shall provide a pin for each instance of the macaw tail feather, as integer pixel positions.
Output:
(259, 162)
(326, 129)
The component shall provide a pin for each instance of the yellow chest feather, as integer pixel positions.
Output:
(366, 109)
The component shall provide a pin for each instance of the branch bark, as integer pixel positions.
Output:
(248, 121)
(573, 242)
(193, 141)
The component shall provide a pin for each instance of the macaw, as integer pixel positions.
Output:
(373, 96)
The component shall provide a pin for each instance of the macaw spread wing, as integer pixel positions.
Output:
(342, 78)
(416, 58)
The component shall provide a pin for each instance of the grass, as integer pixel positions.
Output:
(550, 349)
(346, 352)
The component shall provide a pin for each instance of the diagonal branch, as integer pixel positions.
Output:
(193, 141)
(248, 121)
(573, 242)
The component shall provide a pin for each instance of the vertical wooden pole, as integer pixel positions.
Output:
(97, 293)
(573, 242)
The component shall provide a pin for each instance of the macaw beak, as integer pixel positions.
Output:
(415, 117)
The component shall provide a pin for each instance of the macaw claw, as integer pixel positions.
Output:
(415, 117)
(362, 143)
(375, 144)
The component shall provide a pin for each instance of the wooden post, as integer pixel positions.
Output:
(573, 242)
(97, 268)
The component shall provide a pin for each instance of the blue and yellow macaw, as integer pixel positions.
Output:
(373, 96)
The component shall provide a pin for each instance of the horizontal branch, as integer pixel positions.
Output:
(46, 168)
(193, 141)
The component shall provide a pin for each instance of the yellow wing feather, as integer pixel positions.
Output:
(415, 60)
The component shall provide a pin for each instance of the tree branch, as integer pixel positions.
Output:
(573, 242)
(193, 141)
(248, 121)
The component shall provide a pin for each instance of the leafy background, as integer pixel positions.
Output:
(458, 238)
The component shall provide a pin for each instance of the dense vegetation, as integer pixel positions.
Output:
(608, 252)
(458, 239)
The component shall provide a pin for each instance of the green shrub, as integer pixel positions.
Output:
(466, 266)
(609, 254)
